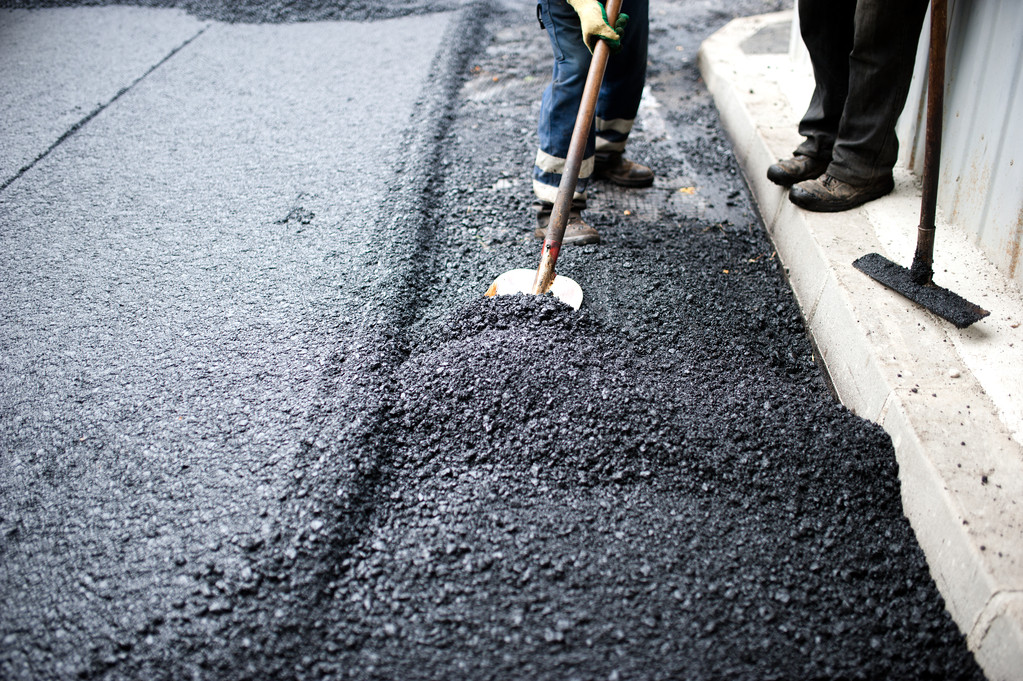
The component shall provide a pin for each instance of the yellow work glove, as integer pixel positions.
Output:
(593, 18)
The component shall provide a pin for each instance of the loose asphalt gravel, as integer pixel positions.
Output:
(659, 486)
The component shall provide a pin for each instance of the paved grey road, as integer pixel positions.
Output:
(175, 274)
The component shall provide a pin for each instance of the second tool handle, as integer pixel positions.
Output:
(573, 162)
(922, 269)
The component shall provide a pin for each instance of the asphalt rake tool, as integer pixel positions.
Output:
(544, 279)
(917, 283)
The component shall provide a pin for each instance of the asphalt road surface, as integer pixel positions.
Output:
(257, 421)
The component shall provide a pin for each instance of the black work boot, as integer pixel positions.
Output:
(577, 232)
(830, 194)
(796, 169)
(615, 168)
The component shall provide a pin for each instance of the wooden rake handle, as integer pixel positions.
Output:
(577, 147)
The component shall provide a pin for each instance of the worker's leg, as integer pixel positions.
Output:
(560, 104)
(880, 69)
(558, 110)
(618, 102)
(624, 78)
(827, 30)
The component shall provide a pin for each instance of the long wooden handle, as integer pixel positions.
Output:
(573, 162)
(923, 258)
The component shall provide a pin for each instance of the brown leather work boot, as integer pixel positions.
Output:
(796, 169)
(830, 194)
(577, 232)
(612, 166)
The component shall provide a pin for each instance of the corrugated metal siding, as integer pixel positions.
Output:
(982, 164)
(981, 185)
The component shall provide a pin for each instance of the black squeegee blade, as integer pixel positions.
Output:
(946, 304)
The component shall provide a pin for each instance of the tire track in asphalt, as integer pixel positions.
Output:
(340, 471)
(397, 277)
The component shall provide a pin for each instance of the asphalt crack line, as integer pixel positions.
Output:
(98, 110)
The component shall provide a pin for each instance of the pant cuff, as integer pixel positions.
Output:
(556, 166)
(549, 194)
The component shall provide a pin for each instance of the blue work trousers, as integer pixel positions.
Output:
(617, 103)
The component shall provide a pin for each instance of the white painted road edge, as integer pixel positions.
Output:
(952, 400)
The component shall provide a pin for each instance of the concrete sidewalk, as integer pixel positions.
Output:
(952, 400)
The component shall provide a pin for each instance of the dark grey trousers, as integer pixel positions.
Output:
(863, 52)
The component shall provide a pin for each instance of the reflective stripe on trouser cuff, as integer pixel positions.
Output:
(612, 134)
(552, 164)
(549, 193)
(621, 125)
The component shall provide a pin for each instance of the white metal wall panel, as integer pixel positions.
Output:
(982, 179)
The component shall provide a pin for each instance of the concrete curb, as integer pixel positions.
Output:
(944, 395)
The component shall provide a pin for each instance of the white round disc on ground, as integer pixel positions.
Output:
(521, 281)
